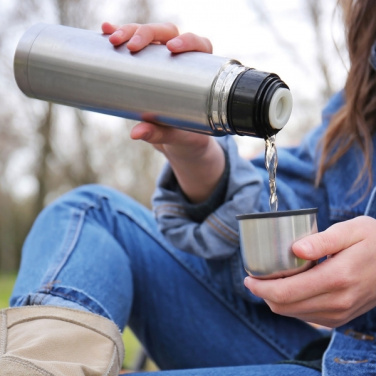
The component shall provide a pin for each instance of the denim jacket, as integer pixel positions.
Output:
(210, 230)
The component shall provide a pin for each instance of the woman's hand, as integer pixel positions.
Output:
(193, 157)
(335, 291)
(139, 36)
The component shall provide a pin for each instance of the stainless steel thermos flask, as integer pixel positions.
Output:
(193, 91)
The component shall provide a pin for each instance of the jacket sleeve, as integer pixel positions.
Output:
(210, 229)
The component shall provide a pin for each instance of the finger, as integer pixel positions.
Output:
(189, 42)
(330, 309)
(327, 317)
(155, 134)
(303, 286)
(323, 318)
(333, 240)
(149, 33)
(142, 131)
(108, 28)
(120, 35)
(340, 304)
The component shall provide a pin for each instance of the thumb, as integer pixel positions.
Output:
(329, 242)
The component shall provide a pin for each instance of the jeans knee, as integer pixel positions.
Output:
(89, 196)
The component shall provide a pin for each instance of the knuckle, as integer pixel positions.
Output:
(341, 279)
(325, 240)
(145, 29)
(131, 26)
(173, 28)
(129, 29)
(197, 42)
(343, 304)
(190, 37)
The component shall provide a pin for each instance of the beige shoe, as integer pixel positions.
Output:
(54, 341)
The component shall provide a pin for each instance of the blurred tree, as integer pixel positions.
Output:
(315, 15)
(58, 147)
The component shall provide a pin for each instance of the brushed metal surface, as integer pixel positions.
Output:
(191, 90)
(80, 68)
(266, 240)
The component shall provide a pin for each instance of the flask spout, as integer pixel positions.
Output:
(280, 108)
(259, 105)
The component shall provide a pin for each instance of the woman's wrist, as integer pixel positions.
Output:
(199, 173)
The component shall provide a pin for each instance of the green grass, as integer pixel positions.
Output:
(6, 286)
(130, 341)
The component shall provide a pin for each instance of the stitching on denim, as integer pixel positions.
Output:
(170, 208)
(59, 294)
(41, 298)
(358, 335)
(223, 230)
(171, 212)
(237, 268)
(349, 361)
(338, 214)
(37, 299)
(75, 227)
(326, 354)
(3, 333)
(231, 232)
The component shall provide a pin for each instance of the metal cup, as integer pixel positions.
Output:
(266, 240)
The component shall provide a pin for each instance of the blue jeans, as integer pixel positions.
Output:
(98, 250)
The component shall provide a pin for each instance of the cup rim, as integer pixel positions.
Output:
(277, 214)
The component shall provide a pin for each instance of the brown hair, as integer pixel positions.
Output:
(355, 122)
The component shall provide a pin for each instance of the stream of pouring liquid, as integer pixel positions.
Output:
(271, 162)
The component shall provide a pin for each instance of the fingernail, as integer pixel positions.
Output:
(118, 34)
(246, 281)
(175, 43)
(136, 39)
(304, 246)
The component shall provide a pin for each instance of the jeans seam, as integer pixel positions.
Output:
(75, 227)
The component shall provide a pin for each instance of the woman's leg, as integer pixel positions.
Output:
(97, 250)
(260, 370)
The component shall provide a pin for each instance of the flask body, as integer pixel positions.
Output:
(80, 68)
